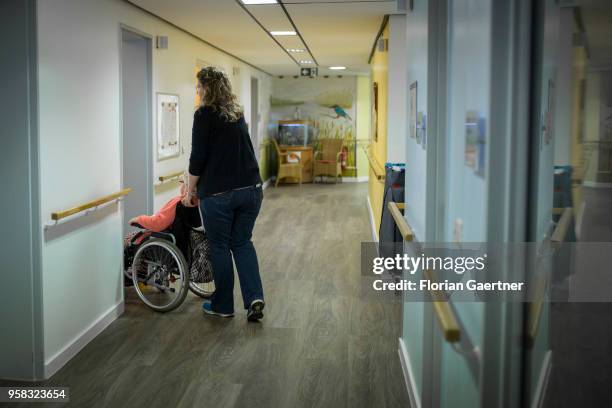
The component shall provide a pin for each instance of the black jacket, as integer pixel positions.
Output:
(221, 154)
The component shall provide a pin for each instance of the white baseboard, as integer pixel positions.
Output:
(267, 183)
(540, 391)
(372, 222)
(57, 361)
(361, 179)
(413, 394)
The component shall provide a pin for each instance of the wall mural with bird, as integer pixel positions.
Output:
(325, 105)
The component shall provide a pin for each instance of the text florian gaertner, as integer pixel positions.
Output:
(457, 265)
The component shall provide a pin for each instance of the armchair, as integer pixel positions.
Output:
(285, 168)
(328, 159)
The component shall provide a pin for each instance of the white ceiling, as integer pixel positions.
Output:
(338, 32)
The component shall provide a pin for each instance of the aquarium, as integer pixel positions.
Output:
(293, 132)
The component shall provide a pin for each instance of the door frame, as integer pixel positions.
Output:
(255, 133)
(501, 379)
(149, 145)
(437, 110)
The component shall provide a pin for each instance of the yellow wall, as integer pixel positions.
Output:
(577, 152)
(379, 74)
(364, 113)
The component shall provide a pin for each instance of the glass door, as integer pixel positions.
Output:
(463, 167)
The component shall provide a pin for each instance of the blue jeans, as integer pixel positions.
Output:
(229, 219)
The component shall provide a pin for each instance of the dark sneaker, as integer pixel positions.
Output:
(207, 308)
(255, 312)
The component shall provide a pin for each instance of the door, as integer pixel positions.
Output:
(567, 359)
(463, 219)
(481, 117)
(255, 115)
(136, 105)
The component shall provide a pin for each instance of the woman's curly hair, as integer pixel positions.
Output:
(218, 94)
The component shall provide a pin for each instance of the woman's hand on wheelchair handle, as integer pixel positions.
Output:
(190, 199)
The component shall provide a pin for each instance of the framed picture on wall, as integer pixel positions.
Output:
(412, 111)
(167, 126)
(475, 142)
(375, 111)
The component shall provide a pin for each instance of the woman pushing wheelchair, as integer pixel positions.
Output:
(224, 176)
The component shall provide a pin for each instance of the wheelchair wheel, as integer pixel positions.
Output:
(204, 290)
(159, 273)
(201, 281)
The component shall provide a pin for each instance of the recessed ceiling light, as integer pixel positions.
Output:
(283, 32)
(305, 62)
(337, 68)
(259, 1)
(295, 50)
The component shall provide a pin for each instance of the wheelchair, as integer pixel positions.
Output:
(159, 264)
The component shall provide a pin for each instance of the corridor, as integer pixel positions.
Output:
(427, 185)
(319, 345)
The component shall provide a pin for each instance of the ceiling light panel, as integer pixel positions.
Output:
(254, 2)
(282, 33)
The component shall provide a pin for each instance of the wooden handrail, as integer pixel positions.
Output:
(444, 313)
(535, 310)
(56, 216)
(379, 172)
(536, 305)
(400, 221)
(563, 225)
(171, 176)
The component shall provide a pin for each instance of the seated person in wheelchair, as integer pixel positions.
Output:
(173, 218)
(164, 219)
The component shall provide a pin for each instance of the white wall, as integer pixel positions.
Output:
(80, 155)
(465, 212)
(397, 105)
(416, 158)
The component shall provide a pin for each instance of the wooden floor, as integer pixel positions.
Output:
(319, 345)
